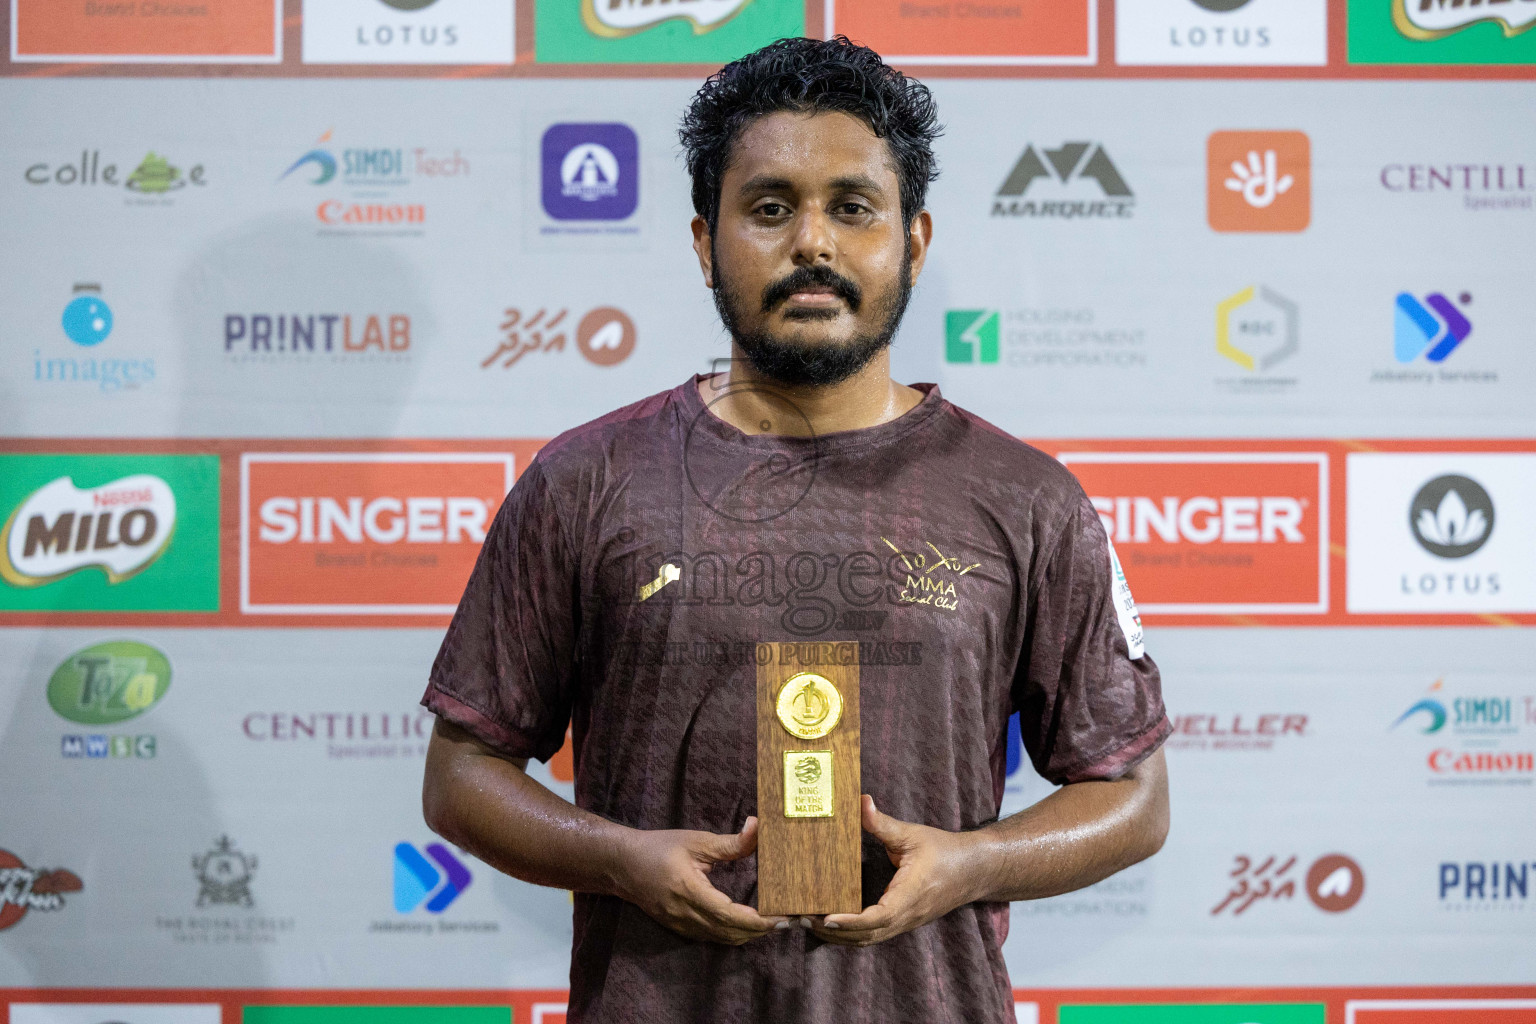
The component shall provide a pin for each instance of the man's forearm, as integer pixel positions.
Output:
(1081, 834)
(490, 806)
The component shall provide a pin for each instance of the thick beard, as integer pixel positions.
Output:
(814, 364)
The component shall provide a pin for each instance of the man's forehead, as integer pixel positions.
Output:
(823, 146)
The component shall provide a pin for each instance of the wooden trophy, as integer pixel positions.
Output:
(808, 837)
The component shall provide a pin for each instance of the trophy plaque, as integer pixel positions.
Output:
(809, 834)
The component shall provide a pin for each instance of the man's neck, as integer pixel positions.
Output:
(755, 404)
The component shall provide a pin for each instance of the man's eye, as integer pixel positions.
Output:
(772, 210)
(850, 209)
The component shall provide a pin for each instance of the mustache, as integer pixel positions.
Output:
(818, 276)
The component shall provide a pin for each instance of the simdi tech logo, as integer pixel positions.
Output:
(1215, 532)
(1441, 532)
(1222, 32)
(409, 32)
(1442, 31)
(1258, 181)
(109, 532)
(660, 31)
(1472, 735)
(381, 181)
(1076, 180)
(364, 533)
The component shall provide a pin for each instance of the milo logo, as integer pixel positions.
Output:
(120, 528)
(618, 18)
(108, 683)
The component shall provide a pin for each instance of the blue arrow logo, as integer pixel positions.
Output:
(416, 878)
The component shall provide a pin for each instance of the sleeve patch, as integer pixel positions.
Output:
(1125, 606)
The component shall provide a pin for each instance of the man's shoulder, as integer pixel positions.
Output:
(993, 454)
(575, 450)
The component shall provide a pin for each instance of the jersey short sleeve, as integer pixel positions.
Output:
(1089, 696)
(506, 665)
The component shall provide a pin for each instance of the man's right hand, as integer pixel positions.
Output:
(666, 874)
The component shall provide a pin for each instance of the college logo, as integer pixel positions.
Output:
(23, 889)
(1215, 533)
(121, 528)
(267, 337)
(224, 875)
(1424, 535)
(1334, 883)
(408, 32)
(1451, 516)
(1064, 172)
(109, 683)
(418, 882)
(1257, 328)
(1258, 181)
(154, 176)
(1432, 328)
(1222, 32)
(364, 533)
(605, 336)
(590, 171)
(660, 31)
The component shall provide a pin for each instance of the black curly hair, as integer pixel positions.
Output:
(811, 76)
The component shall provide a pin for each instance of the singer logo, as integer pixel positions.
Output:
(1212, 533)
(120, 528)
(364, 533)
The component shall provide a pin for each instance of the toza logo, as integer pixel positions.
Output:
(1435, 19)
(417, 881)
(1066, 167)
(121, 527)
(1433, 328)
(109, 683)
(1451, 516)
(615, 19)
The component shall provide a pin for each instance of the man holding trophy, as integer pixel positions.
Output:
(787, 611)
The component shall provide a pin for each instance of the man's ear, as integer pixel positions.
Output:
(918, 239)
(703, 248)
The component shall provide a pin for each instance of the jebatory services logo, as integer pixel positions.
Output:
(428, 879)
(1447, 532)
(366, 533)
(109, 532)
(1427, 330)
(1258, 180)
(409, 32)
(1215, 532)
(1076, 180)
(1222, 32)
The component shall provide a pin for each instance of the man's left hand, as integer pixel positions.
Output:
(932, 878)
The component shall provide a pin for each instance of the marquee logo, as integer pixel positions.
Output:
(109, 683)
(1433, 328)
(121, 528)
(1064, 171)
(615, 19)
(23, 889)
(1258, 181)
(364, 533)
(1211, 532)
(1436, 19)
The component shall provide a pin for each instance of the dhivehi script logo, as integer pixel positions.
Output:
(1436, 19)
(615, 19)
(120, 527)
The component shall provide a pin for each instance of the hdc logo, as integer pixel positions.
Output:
(1258, 181)
(1432, 328)
(416, 879)
(971, 335)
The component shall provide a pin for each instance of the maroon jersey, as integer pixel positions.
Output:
(622, 590)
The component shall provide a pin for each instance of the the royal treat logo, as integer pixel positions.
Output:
(109, 533)
(121, 528)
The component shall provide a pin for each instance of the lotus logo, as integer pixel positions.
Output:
(120, 527)
(614, 19)
(1451, 516)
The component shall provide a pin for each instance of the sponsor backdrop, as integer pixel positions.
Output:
(293, 291)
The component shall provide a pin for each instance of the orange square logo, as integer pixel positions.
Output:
(1258, 181)
(364, 533)
(945, 32)
(226, 31)
(1214, 532)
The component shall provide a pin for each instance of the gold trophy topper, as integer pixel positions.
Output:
(809, 705)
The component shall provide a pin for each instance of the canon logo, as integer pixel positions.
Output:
(1481, 762)
(1203, 520)
(383, 520)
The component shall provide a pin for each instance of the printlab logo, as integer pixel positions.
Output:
(1432, 328)
(1257, 328)
(1075, 180)
(1427, 20)
(1451, 516)
(1485, 885)
(224, 875)
(1259, 181)
(87, 322)
(105, 684)
(153, 180)
(605, 336)
(418, 882)
(590, 171)
(23, 889)
(277, 337)
(1334, 883)
(971, 335)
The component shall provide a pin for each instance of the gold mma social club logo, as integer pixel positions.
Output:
(616, 19)
(1434, 19)
(120, 528)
